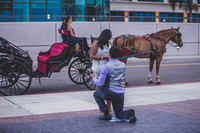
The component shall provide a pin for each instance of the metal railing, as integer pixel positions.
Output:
(94, 18)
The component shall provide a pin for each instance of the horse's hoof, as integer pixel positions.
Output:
(150, 82)
(158, 83)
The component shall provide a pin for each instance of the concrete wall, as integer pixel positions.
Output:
(39, 36)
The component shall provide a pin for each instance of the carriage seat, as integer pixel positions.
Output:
(58, 51)
(64, 34)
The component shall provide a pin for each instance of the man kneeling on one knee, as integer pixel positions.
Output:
(111, 82)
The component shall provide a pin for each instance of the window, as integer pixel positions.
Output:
(152, 0)
(185, 1)
(39, 1)
(196, 18)
(99, 13)
(198, 1)
(90, 12)
(21, 0)
(68, 2)
(117, 16)
(142, 16)
(38, 12)
(80, 2)
(54, 12)
(90, 2)
(54, 1)
(99, 2)
(6, 0)
(5, 12)
(21, 12)
(171, 17)
(80, 12)
(106, 3)
(68, 10)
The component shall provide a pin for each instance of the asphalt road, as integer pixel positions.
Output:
(171, 71)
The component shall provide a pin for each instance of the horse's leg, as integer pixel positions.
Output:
(158, 61)
(152, 60)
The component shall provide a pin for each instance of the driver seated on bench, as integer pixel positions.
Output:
(72, 37)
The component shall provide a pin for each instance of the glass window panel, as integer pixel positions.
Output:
(54, 1)
(80, 12)
(5, 12)
(68, 1)
(152, 0)
(117, 16)
(21, 0)
(90, 2)
(80, 2)
(68, 10)
(105, 14)
(39, 1)
(99, 13)
(99, 2)
(21, 12)
(54, 12)
(106, 3)
(198, 1)
(5, 0)
(38, 12)
(90, 13)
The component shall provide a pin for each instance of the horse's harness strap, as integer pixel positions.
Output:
(162, 43)
(149, 39)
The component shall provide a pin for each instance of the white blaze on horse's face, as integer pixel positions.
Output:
(177, 37)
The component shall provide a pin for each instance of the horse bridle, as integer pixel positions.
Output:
(179, 35)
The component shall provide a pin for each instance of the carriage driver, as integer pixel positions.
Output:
(111, 82)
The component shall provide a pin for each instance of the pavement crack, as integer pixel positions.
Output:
(17, 105)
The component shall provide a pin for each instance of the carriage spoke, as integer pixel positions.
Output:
(18, 87)
(21, 84)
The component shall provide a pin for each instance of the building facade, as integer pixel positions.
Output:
(149, 11)
(93, 10)
(53, 10)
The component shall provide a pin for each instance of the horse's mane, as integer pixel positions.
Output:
(159, 32)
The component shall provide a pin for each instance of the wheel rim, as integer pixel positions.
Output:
(15, 78)
(87, 79)
(76, 70)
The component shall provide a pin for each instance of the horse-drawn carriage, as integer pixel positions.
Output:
(16, 70)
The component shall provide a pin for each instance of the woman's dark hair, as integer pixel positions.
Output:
(104, 38)
(114, 52)
(66, 21)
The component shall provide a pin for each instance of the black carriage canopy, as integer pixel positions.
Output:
(8, 47)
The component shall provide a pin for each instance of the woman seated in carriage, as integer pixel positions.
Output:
(71, 37)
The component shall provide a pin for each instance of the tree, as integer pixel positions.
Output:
(187, 6)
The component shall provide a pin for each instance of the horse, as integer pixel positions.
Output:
(155, 42)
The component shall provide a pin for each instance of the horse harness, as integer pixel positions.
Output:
(125, 51)
(147, 37)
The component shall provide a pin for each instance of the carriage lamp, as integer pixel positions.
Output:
(77, 47)
(178, 48)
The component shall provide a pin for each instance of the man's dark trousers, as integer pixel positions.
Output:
(117, 100)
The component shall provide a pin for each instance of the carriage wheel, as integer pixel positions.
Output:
(86, 77)
(76, 70)
(15, 78)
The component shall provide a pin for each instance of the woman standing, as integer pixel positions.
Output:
(72, 37)
(99, 53)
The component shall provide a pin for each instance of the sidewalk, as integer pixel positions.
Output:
(171, 108)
